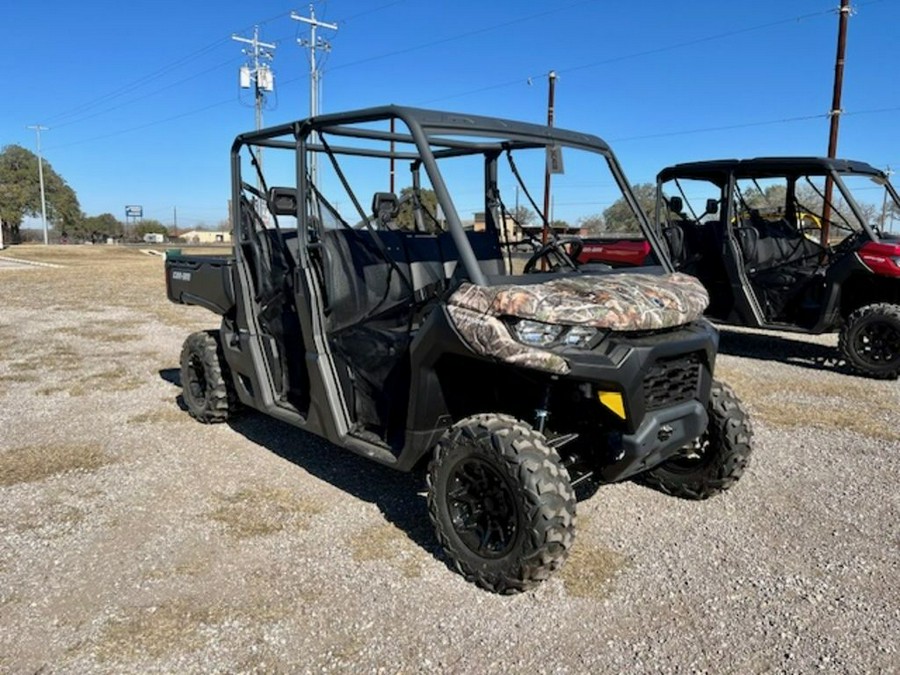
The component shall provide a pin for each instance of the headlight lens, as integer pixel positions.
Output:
(538, 334)
(579, 336)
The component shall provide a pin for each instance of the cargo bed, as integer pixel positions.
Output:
(203, 280)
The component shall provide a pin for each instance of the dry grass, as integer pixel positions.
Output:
(178, 625)
(114, 379)
(386, 542)
(589, 572)
(50, 519)
(156, 631)
(193, 568)
(18, 378)
(813, 402)
(32, 464)
(90, 276)
(9, 338)
(104, 333)
(168, 414)
(263, 511)
(47, 357)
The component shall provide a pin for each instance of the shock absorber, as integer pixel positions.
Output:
(543, 412)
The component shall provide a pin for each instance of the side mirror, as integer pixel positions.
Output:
(675, 204)
(712, 207)
(282, 201)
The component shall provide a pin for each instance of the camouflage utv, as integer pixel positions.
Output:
(405, 334)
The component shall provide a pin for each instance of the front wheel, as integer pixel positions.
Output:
(870, 340)
(501, 503)
(717, 459)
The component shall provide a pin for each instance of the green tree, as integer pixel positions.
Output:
(772, 197)
(593, 224)
(406, 219)
(149, 226)
(96, 228)
(619, 217)
(20, 193)
(523, 215)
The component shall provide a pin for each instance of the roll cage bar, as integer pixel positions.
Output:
(435, 135)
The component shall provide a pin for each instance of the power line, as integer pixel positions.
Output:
(520, 80)
(156, 74)
(135, 84)
(129, 130)
(727, 127)
(369, 11)
(142, 97)
(634, 55)
(458, 36)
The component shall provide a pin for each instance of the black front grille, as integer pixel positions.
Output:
(672, 381)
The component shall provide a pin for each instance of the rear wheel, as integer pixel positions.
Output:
(205, 379)
(870, 340)
(501, 503)
(717, 459)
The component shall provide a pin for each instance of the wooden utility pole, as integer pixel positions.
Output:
(545, 231)
(835, 113)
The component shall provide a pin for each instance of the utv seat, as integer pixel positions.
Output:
(780, 262)
(358, 281)
(385, 208)
(675, 240)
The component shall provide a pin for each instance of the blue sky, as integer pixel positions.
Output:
(142, 98)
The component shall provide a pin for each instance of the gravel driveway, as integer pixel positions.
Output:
(133, 539)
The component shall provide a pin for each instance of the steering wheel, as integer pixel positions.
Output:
(848, 243)
(556, 249)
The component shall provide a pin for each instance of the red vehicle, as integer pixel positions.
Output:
(777, 249)
(615, 252)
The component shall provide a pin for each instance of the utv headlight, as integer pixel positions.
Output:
(536, 334)
(579, 336)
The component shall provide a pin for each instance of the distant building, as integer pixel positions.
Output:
(205, 237)
(512, 232)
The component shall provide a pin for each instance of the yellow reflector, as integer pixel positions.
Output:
(613, 401)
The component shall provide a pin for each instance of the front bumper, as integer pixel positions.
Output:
(661, 436)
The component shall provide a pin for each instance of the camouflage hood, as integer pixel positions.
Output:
(618, 302)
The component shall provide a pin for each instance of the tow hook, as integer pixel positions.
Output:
(665, 433)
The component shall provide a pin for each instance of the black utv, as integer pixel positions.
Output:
(373, 299)
(792, 243)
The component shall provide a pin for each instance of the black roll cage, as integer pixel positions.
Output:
(432, 133)
(725, 173)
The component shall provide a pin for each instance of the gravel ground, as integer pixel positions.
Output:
(133, 539)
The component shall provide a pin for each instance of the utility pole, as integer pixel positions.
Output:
(835, 113)
(545, 230)
(314, 44)
(38, 129)
(258, 72)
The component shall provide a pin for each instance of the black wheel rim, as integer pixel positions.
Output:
(878, 343)
(482, 508)
(196, 379)
(695, 457)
